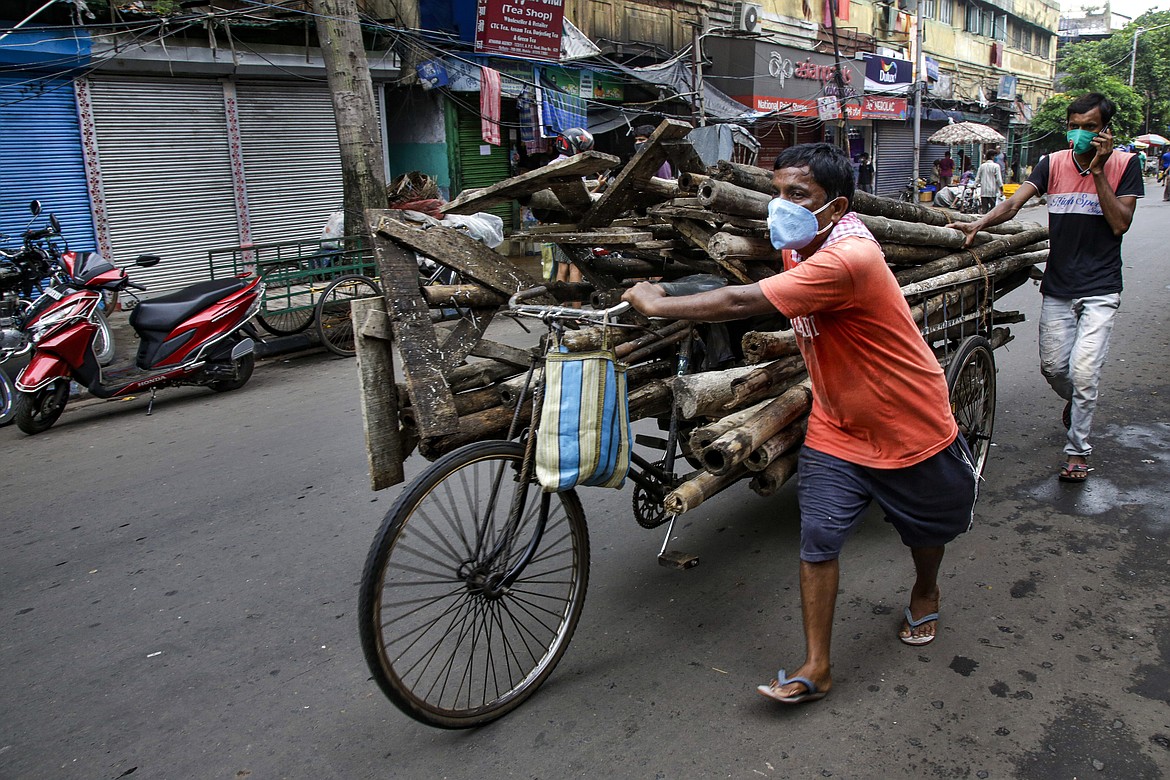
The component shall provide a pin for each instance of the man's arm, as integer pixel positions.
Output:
(1118, 212)
(726, 303)
(1002, 212)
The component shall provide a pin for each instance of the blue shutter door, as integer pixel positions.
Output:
(40, 157)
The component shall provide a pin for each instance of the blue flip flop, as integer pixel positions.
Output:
(918, 641)
(772, 690)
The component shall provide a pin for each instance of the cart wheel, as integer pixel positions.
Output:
(287, 307)
(334, 324)
(444, 640)
(971, 380)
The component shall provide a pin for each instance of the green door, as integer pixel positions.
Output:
(476, 169)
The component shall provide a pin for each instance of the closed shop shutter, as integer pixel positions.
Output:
(894, 157)
(292, 163)
(775, 137)
(40, 157)
(477, 169)
(167, 175)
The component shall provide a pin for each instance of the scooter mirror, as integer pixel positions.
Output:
(35, 208)
(148, 261)
(53, 223)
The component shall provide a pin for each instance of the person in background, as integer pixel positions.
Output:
(881, 427)
(568, 143)
(865, 173)
(1092, 194)
(990, 180)
(642, 134)
(1141, 155)
(945, 169)
(1001, 160)
(1164, 171)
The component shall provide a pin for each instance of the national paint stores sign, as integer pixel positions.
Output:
(521, 28)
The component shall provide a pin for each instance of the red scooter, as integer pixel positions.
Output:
(199, 335)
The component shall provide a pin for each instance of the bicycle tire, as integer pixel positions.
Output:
(288, 306)
(971, 385)
(423, 552)
(332, 313)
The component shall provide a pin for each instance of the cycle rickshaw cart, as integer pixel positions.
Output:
(475, 581)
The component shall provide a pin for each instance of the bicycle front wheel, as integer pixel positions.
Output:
(334, 323)
(446, 641)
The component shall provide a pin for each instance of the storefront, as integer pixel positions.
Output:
(40, 139)
(177, 167)
(796, 93)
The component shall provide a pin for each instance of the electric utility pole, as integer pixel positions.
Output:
(362, 165)
(919, 87)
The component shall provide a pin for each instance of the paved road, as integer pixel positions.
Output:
(177, 597)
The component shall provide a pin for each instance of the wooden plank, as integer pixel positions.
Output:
(601, 238)
(625, 188)
(683, 156)
(455, 250)
(583, 164)
(458, 342)
(503, 353)
(384, 442)
(414, 333)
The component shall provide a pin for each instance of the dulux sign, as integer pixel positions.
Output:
(887, 75)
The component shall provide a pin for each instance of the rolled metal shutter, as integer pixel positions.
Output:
(481, 170)
(40, 157)
(167, 175)
(292, 162)
(894, 157)
(931, 152)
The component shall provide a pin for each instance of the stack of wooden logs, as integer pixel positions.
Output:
(741, 422)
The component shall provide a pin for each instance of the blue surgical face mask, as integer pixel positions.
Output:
(792, 226)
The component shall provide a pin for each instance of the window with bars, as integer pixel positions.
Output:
(987, 24)
(1017, 36)
(928, 9)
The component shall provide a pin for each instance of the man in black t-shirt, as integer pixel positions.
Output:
(1092, 193)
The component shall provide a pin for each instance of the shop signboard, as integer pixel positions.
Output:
(520, 28)
(887, 75)
(584, 83)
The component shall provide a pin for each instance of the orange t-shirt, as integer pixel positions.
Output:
(879, 396)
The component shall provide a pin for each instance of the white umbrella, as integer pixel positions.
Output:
(1153, 139)
(966, 133)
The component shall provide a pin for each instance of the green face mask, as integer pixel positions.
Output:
(1080, 140)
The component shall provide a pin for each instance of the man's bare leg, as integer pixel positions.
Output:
(924, 596)
(818, 598)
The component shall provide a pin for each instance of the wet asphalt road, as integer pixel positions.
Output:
(178, 594)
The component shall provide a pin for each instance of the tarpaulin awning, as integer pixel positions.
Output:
(679, 78)
(966, 133)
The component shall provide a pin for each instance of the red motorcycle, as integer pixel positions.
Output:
(200, 335)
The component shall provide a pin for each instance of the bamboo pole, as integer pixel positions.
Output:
(696, 490)
(968, 257)
(778, 445)
(734, 447)
(702, 436)
(771, 479)
(747, 176)
(762, 382)
(727, 198)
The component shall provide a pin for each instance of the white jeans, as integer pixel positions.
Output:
(1074, 339)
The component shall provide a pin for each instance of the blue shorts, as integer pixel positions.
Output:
(929, 503)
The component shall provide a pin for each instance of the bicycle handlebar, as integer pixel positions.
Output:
(560, 312)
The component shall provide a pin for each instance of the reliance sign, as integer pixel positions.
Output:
(521, 28)
(870, 106)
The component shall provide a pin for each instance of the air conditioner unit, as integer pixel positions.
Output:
(746, 17)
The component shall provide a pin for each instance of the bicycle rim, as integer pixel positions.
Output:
(444, 646)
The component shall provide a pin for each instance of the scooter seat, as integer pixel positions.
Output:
(167, 311)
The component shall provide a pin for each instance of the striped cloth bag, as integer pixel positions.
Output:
(584, 433)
